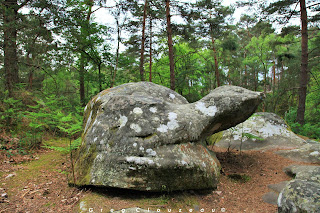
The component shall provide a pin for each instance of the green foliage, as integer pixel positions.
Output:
(48, 116)
(74, 145)
(30, 140)
(28, 116)
(10, 113)
(251, 136)
(309, 129)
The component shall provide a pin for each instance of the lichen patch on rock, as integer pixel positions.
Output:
(135, 127)
(123, 121)
(137, 110)
(209, 111)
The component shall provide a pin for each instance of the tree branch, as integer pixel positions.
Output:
(23, 4)
(40, 67)
(313, 5)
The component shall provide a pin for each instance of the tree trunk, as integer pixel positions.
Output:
(30, 76)
(274, 74)
(216, 62)
(150, 52)
(10, 11)
(170, 45)
(30, 80)
(81, 79)
(117, 54)
(100, 81)
(304, 63)
(143, 39)
(83, 58)
(255, 84)
(265, 79)
(281, 73)
(245, 71)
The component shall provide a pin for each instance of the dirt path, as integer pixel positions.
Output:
(38, 183)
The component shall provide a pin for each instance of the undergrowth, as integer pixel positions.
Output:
(310, 129)
(28, 117)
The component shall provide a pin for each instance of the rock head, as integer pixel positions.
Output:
(146, 137)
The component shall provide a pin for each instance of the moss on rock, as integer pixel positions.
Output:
(83, 164)
(215, 138)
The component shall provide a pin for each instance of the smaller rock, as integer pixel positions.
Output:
(309, 152)
(262, 131)
(309, 173)
(271, 198)
(300, 196)
(278, 186)
(303, 193)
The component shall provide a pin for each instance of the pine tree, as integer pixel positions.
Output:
(10, 16)
(116, 14)
(211, 21)
(143, 39)
(170, 46)
(284, 7)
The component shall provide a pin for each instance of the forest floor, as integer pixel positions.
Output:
(38, 183)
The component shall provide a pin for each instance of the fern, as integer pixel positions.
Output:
(74, 145)
(58, 148)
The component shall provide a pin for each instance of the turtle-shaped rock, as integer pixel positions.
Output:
(146, 137)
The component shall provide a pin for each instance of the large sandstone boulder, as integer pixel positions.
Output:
(144, 136)
(263, 130)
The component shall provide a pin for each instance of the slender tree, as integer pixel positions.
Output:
(304, 63)
(150, 49)
(10, 16)
(117, 53)
(211, 20)
(82, 59)
(170, 45)
(143, 39)
(244, 27)
(284, 7)
(117, 12)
